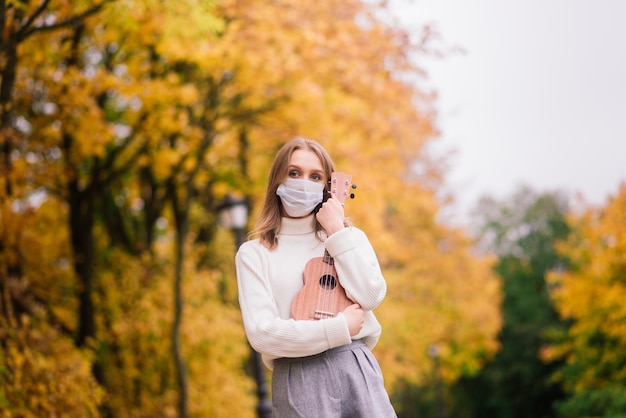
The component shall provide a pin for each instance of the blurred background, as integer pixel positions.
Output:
(528, 93)
(485, 139)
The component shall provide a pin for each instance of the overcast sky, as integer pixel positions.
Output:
(538, 97)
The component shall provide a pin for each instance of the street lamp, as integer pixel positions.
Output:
(233, 214)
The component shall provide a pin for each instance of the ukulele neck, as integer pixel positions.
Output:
(328, 259)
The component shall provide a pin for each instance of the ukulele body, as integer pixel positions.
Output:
(322, 296)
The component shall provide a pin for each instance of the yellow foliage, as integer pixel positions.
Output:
(47, 261)
(446, 298)
(337, 73)
(185, 79)
(138, 301)
(42, 373)
(591, 294)
(215, 351)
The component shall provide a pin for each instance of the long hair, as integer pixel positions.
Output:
(271, 213)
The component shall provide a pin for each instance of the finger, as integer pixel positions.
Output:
(337, 202)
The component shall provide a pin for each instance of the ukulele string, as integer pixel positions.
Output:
(328, 297)
(331, 282)
(327, 278)
(322, 296)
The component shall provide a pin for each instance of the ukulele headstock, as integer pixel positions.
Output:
(341, 184)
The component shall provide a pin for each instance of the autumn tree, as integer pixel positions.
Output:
(350, 90)
(522, 231)
(35, 334)
(83, 133)
(135, 124)
(590, 294)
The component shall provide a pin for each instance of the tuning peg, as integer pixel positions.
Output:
(351, 195)
(353, 186)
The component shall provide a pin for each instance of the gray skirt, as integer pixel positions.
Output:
(342, 382)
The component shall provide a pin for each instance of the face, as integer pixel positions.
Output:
(305, 165)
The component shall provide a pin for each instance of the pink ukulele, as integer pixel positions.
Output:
(322, 296)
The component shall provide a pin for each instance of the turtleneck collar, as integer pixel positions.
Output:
(297, 226)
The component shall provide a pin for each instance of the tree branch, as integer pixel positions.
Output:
(28, 29)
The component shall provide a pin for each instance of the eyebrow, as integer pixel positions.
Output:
(296, 167)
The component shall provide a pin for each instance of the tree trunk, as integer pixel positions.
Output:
(7, 82)
(81, 222)
(181, 215)
(82, 205)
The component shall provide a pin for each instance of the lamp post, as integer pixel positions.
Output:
(233, 214)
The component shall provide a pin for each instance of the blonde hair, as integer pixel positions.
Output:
(271, 213)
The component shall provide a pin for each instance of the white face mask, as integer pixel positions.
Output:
(300, 197)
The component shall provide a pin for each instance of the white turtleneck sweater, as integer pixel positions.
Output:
(268, 280)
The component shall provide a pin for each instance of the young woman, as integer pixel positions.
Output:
(321, 368)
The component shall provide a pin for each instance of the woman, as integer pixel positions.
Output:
(321, 368)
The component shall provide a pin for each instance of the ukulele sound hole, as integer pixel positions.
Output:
(328, 282)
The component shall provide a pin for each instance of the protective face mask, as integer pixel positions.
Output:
(300, 197)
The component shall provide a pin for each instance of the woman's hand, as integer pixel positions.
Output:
(331, 215)
(355, 317)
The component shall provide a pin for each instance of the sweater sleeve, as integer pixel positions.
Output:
(267, 332)
(357, 267)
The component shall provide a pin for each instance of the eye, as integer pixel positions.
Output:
(316, 177)
(294, 173)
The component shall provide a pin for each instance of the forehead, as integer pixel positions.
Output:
(304, 158)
